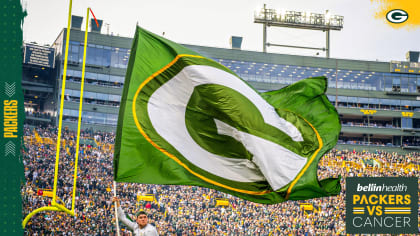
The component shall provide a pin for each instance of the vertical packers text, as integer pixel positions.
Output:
(10, 115)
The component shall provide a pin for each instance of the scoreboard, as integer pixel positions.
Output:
(39, 56)
(405, 67)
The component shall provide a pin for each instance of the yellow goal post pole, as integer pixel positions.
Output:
(80, 113)
(47, 208)
(54, 206)
(60, 119)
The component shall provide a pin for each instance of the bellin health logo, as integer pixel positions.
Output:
(381, 205)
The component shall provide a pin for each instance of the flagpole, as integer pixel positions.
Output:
(116, 212)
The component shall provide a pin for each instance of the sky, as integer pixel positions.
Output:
(212, 23)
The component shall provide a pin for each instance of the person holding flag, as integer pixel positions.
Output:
(139, 228)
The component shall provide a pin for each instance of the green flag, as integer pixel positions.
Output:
(187, 120)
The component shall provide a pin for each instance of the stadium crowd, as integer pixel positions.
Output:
(178, 210)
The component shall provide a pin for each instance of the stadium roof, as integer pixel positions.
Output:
(275, 58)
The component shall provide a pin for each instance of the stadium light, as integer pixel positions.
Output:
(299, 20)
(296, 19)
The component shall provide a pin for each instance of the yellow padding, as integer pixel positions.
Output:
(222, 202)
(306, 207)
(147, 198)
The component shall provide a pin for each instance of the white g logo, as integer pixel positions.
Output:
(397, 16)
(168, 119)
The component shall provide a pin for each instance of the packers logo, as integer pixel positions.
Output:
(397, 16)
(210, 121)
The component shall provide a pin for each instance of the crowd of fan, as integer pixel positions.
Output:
(414, 143)
(177, 210)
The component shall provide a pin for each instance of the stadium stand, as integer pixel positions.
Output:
(180, 210)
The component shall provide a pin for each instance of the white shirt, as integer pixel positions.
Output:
(149, 230)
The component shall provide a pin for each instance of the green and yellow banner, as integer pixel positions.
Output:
(11, 118)
(188, 120)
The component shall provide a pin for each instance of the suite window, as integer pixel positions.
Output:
(396, 85)
(418, 85)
